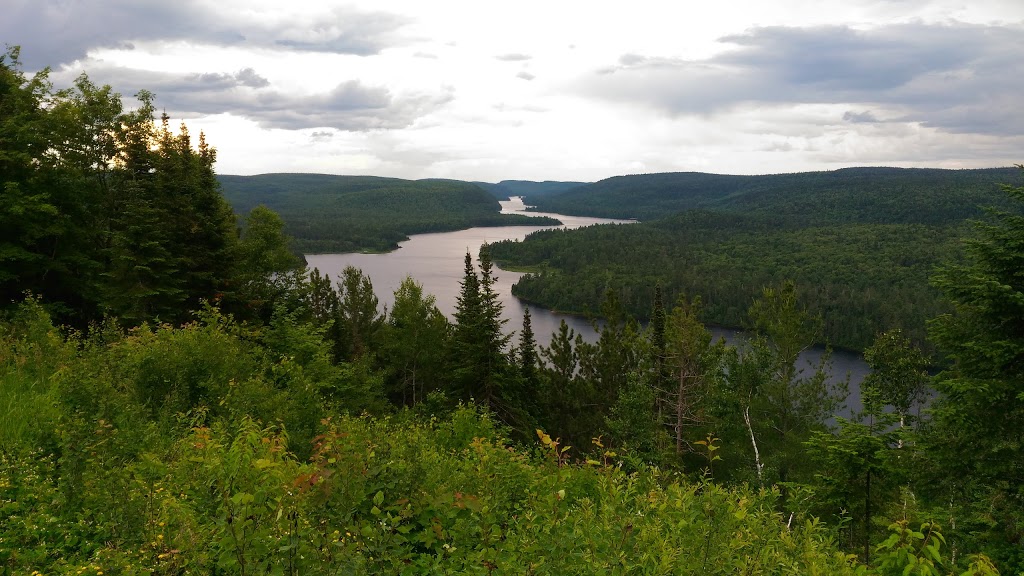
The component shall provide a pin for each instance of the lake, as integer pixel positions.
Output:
(437, 262)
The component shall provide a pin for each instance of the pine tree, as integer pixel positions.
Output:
(359, 318)
(692, 366)
(978, 420)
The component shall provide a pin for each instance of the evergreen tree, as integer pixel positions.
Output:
(103, 212)
(359, 318)
(608, 363)
(656, 329)
(692, 367)
(527, 351)
(978, 421)
(466, 332)
(322, 299)
(494, 340)
(565, 395)
(481, 364)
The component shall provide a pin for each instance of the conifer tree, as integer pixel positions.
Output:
(480, 362)
(977, 436)
(527, 350)
(359, 318)
(565, 394)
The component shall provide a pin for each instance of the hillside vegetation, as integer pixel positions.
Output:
(877, 195)
(326, 213)
(177, 397)
(531, 190)
(859, 243)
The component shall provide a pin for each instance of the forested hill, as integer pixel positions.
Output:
(859, 243)
(328, 213)
(527, 188)
(905, 195)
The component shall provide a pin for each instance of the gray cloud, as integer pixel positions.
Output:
(220, 81)
(54, 32)
(525, 75)
(865, 117)
(957, 77)
(349, 106)
(513, 57)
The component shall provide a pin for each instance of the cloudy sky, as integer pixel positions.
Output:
(556, 89)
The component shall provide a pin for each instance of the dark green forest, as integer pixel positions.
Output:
(850, 195)
(161, 413)
(531, 190)
(326, 213)
(859, 243)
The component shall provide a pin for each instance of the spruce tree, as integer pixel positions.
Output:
(480, 361)
(978, 420)
(465, 338)
(527, 350)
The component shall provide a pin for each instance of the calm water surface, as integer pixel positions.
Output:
(437, 262)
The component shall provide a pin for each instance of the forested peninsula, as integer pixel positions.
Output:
(326, 213)
(860, 244)
(179, 394)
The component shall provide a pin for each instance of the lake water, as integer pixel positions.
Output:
(437, 262)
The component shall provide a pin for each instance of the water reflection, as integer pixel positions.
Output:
(437, 262)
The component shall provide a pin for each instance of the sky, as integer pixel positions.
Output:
(555, 89)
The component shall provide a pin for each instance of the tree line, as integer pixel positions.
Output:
(327, 213)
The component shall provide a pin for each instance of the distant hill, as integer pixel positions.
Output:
(890, 195)
(328, 213)
(860, 243)
(530, 190)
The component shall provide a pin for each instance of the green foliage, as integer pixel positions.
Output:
(898, 377)
(415, 344)
(359, 320)
(692, 372)
(31, 350)
(105, 211)
(977, 434)
(858, 195)
(860, 244)
(209, 448)
(481, 368)
(909, 551)
(530, 190)
(265, 263)
(326, 213)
